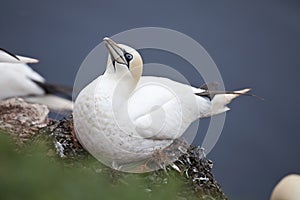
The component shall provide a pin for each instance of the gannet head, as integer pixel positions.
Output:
(123, 58)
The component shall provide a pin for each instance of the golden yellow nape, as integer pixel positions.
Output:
(136, 64)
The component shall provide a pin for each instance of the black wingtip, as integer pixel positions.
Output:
(211, 94)
(55, 89)
(9, 53)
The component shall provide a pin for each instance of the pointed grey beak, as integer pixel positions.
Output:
(115, 51)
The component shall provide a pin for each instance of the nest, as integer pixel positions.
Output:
(29, 122)
(192, 165)
(22, 119)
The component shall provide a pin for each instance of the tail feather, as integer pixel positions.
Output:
(219, 102)
(24, 59)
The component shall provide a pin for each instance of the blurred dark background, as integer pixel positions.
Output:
(254, 44)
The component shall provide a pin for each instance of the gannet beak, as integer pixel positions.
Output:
(115, 51)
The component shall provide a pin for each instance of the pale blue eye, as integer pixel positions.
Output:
(128, 56)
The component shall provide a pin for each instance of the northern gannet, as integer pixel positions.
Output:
(123, 117)
(17, 79)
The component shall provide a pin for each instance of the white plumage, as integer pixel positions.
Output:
(7, 57)
(287, 188)
(122, 117)
(17, 79)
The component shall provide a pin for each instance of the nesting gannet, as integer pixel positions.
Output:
(17, 79)
(123, 117)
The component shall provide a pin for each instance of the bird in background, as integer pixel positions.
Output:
(123, 117)
(287, 188)
(17, 79)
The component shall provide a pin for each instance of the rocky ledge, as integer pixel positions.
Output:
(29, 123)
